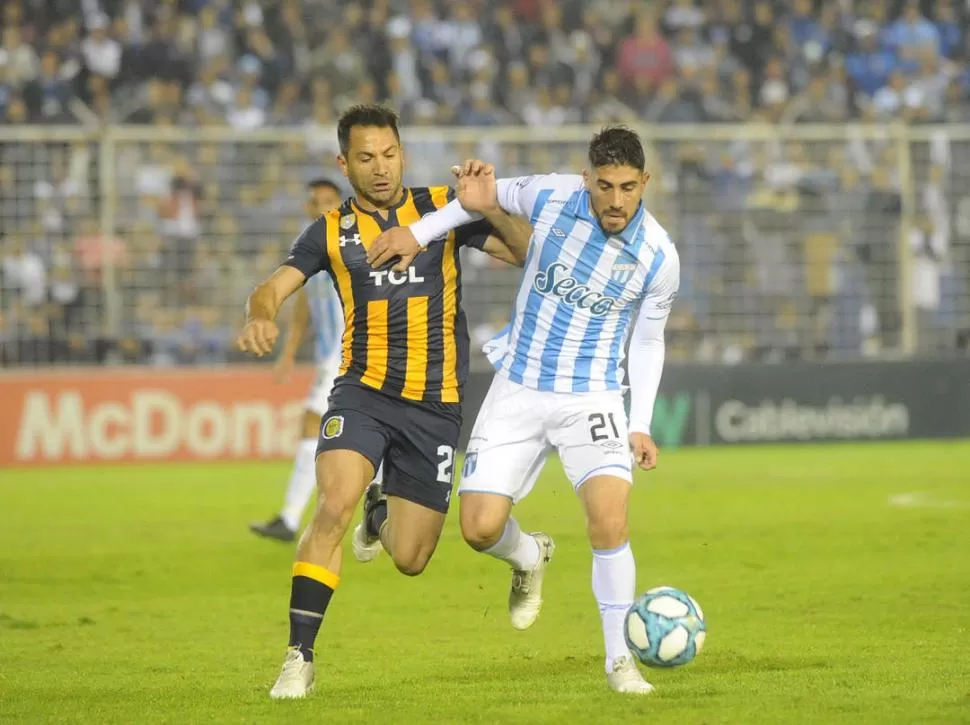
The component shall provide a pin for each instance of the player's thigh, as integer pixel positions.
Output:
(590, 433)
(508, 445)
(353, 441)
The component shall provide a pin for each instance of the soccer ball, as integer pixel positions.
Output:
(665, 628)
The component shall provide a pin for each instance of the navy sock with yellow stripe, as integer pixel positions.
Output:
(312, 588)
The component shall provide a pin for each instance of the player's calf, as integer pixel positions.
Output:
(342, 476)
(487, 526)
(605, 500)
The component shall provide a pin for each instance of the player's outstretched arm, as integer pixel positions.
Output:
(646, 358)
(516, 196)
(260, 333)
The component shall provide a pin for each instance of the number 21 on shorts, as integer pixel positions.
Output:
(599, 430)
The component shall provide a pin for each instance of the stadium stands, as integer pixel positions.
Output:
(152, 156)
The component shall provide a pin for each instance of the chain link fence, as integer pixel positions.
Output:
(134, 245)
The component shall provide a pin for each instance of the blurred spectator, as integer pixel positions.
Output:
(102, 55)
(644, 58)
(18, 60)
(198, 218)
(911, 33)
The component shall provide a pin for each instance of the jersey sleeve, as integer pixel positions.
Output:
(647, 349)
(308, 253)
(661, 292)
(520, 195)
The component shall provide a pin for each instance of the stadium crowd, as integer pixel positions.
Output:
(789, 249)
(255, 63)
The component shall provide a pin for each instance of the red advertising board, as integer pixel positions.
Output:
(138, 414)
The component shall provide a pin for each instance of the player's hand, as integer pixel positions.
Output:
(395, 242)
(258, 337)
(283, 368)
(476, 188)
(644, 451)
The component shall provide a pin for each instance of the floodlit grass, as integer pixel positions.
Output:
(135, 594)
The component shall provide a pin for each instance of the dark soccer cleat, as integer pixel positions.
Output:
(274, 529)
(365, 544)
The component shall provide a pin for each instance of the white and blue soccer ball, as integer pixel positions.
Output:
(665, 628)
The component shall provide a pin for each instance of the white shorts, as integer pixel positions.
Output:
(518, 427)
(318, 399)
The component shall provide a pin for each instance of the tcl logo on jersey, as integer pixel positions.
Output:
(395, 277)
(573, 293)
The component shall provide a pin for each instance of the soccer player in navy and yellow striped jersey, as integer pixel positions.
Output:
(403, 364)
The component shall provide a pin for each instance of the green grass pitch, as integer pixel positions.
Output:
(135, 594)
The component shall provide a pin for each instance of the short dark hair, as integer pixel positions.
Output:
(322, 183)
(370, 114)
(617, 146)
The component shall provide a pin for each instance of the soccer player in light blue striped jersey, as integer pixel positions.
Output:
(601, 272)
(316, 306)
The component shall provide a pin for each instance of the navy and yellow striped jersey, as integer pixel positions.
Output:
(405, 332)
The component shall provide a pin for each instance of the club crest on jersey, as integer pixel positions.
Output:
(471, 463)
(334, 427)
(623, 272)
(347, 221)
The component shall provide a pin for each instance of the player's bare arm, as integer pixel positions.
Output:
(260, 333)
(293, 336)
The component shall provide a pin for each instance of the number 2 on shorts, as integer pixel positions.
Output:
(447, 455)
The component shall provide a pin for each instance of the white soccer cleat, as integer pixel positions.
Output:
(525, 597)
(367, 547)
(296, 679)
(626, 677)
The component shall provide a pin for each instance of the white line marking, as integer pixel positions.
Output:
(922, 500)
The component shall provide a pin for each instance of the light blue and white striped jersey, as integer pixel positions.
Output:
(580, 289)
(326, 317)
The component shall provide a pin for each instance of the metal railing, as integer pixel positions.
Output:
(139, 244)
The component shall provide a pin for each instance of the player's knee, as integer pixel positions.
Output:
(480, 527)
(412, 562)
(336, 507)
(608, 530)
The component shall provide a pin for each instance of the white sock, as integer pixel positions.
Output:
(303, 483)
(518, 549)
(614, 586)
